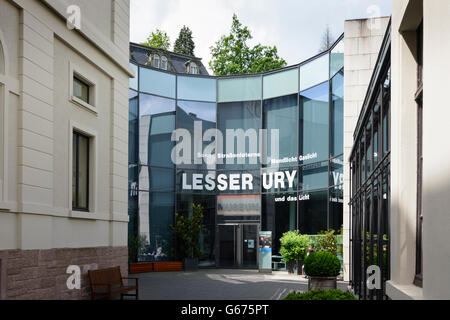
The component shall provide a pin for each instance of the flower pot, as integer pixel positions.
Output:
(321, 283)
(190, 264)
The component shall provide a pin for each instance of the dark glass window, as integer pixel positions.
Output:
(279, 215)
(204, 113)
(337, 114)
(312, 211)
(156, 123)
(239, 115)
(80, 172)
(314, 118)
(133, 127)
(335, 220)
(81, 89)
(313, 176)
(282, 114)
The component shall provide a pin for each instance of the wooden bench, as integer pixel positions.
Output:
(109, 282)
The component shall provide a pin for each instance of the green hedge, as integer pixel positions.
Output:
(332, 294)
(322, 264)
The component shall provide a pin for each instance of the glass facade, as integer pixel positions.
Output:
(258, 152)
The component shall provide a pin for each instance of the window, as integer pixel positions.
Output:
(80, 172)
(155, 62)
(80, 89)
(163, 63)
(193, 68)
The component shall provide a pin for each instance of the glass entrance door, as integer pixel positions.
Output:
(237, 245)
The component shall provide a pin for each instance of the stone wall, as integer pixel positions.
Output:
(41, 274)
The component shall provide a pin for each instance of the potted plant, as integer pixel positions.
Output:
(322, 269)
(294, 247)
(187, 231)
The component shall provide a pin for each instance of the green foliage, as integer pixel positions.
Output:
(158, 39)
(187, 231)
(332, 294)
(327, 242)
(184, 43)
(294, 246)
(232, 55)
(136, 246)
(322, 264)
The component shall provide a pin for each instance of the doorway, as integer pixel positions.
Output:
(237, 245)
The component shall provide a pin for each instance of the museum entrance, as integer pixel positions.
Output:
(237, 245)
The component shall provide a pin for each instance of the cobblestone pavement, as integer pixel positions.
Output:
(218, 284)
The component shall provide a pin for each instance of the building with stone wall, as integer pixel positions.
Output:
(63, 143)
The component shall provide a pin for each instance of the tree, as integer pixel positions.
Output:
(184, 44)
(158, 39)
(232, 55)
(327, 39)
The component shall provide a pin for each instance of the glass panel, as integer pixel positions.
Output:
(196, 181)
(281, 114)
(337, 171)
(207, 235)
(160, 83)
(234, 120)
(279, 215)
(337, 115)
(239, 89)
(279, 179)
(80, 89)
(314, 72)
(156, 214)
(312, 212)
(134, 81)
(199, 113)
(83, 171)
(227, 245)
(337, 58)
(156, 123)
(313, 176)
(314, 112)
(249, 241)
(193, 88)
(156, 179)
(74, 170)
(280, 83)
(133, 127)
(336, 221)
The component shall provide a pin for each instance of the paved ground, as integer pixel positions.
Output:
(218, 284)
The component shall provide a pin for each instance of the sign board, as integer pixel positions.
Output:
(265, 251)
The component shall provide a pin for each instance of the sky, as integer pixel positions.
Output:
(295, 27)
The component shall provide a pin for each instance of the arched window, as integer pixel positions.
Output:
(193, 68)
(163, 63)
(156, 61)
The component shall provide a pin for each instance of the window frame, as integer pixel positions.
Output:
(164, 60)
(75, 148)
(87, 78)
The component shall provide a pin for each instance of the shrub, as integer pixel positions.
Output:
(322, 264)
(327, 242)
(294, 246)
(332, 294)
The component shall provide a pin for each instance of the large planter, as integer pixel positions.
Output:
(321, 283)
(190, 264)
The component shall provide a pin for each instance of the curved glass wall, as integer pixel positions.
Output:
(261, 150)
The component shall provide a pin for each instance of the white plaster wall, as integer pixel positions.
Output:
(363, 39)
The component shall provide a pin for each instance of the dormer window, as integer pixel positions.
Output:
(164, 63)
(155, 61)
(193, 68)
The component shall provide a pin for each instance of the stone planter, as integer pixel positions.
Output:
(321, 283)
(190, 264)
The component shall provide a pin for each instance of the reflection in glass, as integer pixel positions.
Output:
(281, 114)
(188, 112)
(196, 88)
(336, 221)
(337, 58)
(239, 89)
(133, 127)
(156, 179)
(337, 115)
(337, 171)
(313, 176)
(314, 111)
(314, 72)
(279, 214)
(156, 123)
(156, 82)
(134, 81)
(271, 179)
(312, 212)
(237, 117)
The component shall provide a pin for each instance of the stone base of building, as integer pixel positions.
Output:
(42, 274)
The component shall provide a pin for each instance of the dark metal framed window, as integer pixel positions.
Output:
(81, 89)
(80, 172)
(418, 97)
